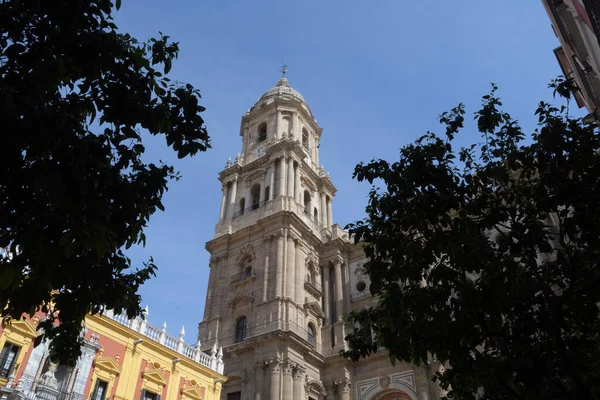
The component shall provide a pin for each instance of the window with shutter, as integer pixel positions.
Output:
(100, 390)
(8, 356)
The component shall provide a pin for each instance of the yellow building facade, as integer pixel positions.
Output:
(122, 359)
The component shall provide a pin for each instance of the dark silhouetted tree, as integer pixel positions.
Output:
(76, 95)
(485, 258)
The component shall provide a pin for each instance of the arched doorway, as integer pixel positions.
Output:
(392, 395)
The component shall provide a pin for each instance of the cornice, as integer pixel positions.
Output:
(278, 337)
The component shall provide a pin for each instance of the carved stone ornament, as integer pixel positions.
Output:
(384, 382)
(246, 252)
(255, 176)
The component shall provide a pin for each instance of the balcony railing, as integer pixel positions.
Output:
(254, 206)
(310, 216)
(248, 274)
(313, 287)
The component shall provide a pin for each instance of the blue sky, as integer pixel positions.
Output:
(376, 75)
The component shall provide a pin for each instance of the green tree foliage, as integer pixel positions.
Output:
(75, 95)
(485, 258)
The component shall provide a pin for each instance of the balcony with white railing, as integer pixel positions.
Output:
(214, 360)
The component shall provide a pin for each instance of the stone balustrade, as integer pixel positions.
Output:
(214, 360)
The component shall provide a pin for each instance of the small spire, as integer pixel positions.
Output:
(164, 326)
(182, 331)
(146, 310)
(283, 80)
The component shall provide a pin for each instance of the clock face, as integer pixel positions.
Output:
(259, 151)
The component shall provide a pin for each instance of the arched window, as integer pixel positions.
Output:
(255, 196)
(247, 267)
(242, 205)
(241, 329)
(262, 132)
(305, 138)
(307, 202)
(311, 336)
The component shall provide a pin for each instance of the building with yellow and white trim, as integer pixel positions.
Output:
(122, 359)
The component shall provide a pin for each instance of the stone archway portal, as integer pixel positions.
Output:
(393, 395)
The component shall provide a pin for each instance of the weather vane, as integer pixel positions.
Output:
(284, 69)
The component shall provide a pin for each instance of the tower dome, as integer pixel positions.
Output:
(281, 91)
(282, 88)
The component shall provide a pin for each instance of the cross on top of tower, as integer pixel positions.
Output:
(284, 70)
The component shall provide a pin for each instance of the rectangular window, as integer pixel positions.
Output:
(148, 395)
(234, 396)
(100, 390)
(8, 357)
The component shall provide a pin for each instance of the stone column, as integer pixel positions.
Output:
(223, 203)
(261, 194)
(339, 289)
(326, 299)
(232, 197)
(266, 267)
(323, 211)
(346, 279)
(275, 383)
(279, 266)
(286, 392)
(299, 383)
(277, 118)
(297, 184)
(330, 387)
(281, 181)
(290, 266)
(300, 273)
(329, 214)
(259, 381)
(290, 177)
(272, 181)
(39, 372)
(71, 381)
(246, 195)
(344, 389)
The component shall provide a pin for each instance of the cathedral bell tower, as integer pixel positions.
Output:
(275, 295)
(279, 162)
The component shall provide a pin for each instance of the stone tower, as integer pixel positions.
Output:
(282, 274)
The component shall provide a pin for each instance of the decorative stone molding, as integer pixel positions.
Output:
(308, 183)
(299, 371)
(343, 386)
(337, 260)
(153, 378)
(275, 365)
(403, 382)
(254, 176)
(312, 262)
(192, 392)
(288, 367)
(240, 298)
(246, 252)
